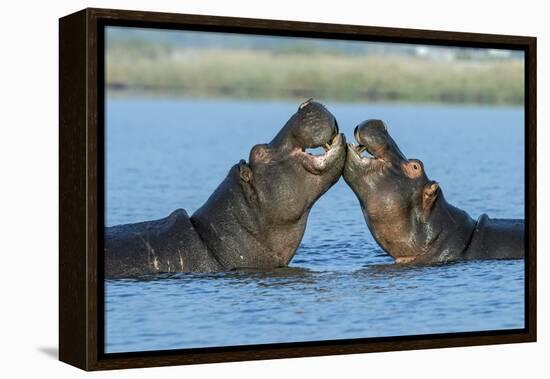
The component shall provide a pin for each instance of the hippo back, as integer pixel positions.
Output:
(170, 244)
(497, 238)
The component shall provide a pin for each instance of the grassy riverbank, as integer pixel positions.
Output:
(246, 73)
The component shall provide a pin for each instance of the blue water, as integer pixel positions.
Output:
(163, 154)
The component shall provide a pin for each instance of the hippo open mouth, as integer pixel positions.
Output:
(363, 153)
(371, 161)
(362, 145)
(325, 146)
(375, 149)
(317, 163)
(310, 140)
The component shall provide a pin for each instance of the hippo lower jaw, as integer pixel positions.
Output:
(358, 151)
(355, 157)
(318, 164)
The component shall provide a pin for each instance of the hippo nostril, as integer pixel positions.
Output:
(336, 126)
(355, 132)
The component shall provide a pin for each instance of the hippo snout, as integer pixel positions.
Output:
(371, 132)
(372, 136)
(313, 125)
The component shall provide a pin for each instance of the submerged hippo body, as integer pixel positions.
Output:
(254, 219)
(407, 213)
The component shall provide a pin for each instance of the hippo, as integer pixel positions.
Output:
(407, 213)
(255, 218)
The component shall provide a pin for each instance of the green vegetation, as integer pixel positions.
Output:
(295, 73)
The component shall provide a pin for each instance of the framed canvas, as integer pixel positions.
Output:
(241, 189)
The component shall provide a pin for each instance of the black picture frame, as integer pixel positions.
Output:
(81, 110)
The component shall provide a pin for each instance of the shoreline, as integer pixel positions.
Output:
(265, 75)
(130, 94)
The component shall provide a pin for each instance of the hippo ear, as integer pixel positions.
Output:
(429, 196)
(245, 172)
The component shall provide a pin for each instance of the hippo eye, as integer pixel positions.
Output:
(415, 166)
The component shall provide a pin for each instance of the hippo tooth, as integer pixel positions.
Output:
(361, 148)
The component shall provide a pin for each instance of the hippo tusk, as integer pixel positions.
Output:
(360, 148)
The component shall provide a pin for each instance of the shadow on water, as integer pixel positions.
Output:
(277, 276)
(404, 271)
(300, 275)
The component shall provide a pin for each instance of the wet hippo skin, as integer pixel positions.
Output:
(407, 213)
(254, 219)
